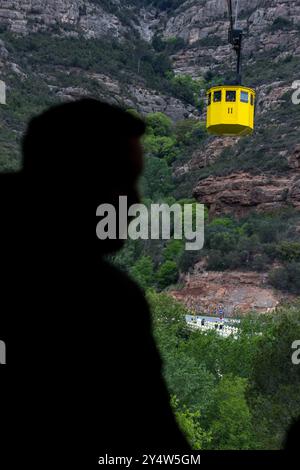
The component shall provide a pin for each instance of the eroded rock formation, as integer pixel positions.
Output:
(237, 292)
(240, 193)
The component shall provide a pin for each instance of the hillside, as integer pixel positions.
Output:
(160, 57)
(67, 49)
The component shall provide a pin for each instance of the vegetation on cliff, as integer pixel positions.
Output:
(226, 393)
(259, 242)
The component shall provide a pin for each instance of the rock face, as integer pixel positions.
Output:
(240, 193)
(193, 21)
(148, 101)
(91, 18)
(144, 100)
(270, 96)
(237, 292)
(204, 23)
(87, 17)
(271, 26)
(205, 156)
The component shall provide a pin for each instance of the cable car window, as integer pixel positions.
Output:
(252, 100)
(231, 96)
(209, 99)
(244, 97)
(217, 96)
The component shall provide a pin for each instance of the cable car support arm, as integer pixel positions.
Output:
(235, 37)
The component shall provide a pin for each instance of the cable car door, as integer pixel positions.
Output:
(231, 107)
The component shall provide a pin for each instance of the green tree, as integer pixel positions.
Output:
(190, 132)
(143, 272)
(287, 278)
(168, 320)
(173, 250)
(157, 180)
(167, 274)
(231, 427)
(189, 379)
(275, 381)
(189, 423)
(223, 241)
(186, 88)
(160, 147)
(188, 259)
(159, 124)
(289, 251)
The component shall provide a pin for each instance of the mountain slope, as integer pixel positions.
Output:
(141, 55)
(87, 48)
(51, 51)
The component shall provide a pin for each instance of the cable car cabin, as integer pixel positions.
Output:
(230, 110)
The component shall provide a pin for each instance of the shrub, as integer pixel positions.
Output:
(157, 179)
(289, 251)
(160, 147)
(281, 23)
(188, 259)
(287, 278)
(186, 89)
(173, 250)
(167, 274)
(159, 124)
(217, 261)
(143, 272)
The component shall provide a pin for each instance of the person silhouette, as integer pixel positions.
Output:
(93, 372)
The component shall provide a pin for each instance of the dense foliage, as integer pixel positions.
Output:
(230, 393)
(45, 63)
(259, 242)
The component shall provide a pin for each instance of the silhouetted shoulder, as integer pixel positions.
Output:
(11, 215)
(10, 186)
(121, 288)
(145, 419)
(293, 437)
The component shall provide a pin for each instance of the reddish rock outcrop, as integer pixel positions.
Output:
(239, 193)
(237, 292)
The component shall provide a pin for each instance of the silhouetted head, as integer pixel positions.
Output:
(83, 154)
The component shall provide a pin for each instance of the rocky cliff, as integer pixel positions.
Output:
(268, 25)
(265, 174)
(113, 20)
(61, 16)
(201, 24)
(237, 292)
(240, 192)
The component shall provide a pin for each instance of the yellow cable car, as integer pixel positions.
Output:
(230, 110)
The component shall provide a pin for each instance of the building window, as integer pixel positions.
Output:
(231, 96)
(209, 99)
(244, 97)
(217, 96)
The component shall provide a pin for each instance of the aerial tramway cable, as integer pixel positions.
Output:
(236, 13)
